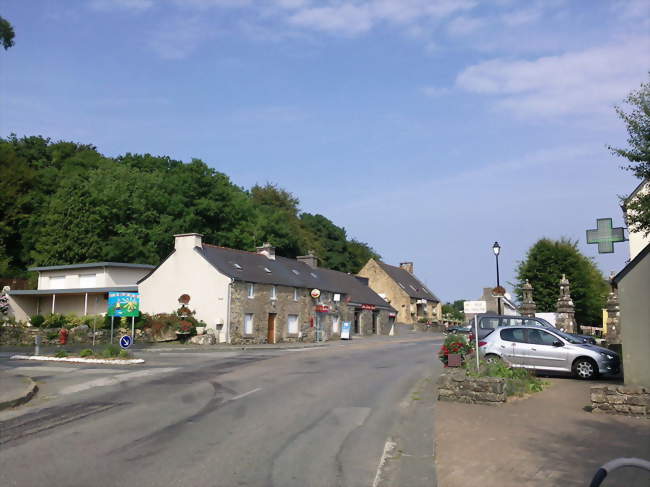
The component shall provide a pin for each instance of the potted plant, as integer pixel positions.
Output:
(456, 347)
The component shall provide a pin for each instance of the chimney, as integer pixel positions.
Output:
(310, 259)
(407, 266)
(187, 241)
(267, 250)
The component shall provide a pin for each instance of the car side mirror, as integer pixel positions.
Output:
(558, 343)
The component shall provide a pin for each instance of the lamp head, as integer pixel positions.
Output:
(496, 248)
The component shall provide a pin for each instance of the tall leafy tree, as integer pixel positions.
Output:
(544, 265)
(7, 33)
(637, 123)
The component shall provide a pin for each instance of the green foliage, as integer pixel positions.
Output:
(7, 33)
(124, 354)
(61, 354)
(37, 320)
(454, 311)
(111, 351)
(63, 202)
(544, 265)
(86, 352)
(520, 381)
(637, 123)
(55, 320)
(52, 334)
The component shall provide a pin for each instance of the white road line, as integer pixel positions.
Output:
(244, 394)
(116, 379)
(388, 448)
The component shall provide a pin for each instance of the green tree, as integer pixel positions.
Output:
(7, 33)
(454, 310)
(544, 265)
(637, 122)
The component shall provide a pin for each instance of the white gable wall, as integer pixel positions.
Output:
(187, 272)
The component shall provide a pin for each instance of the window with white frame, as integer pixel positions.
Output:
(248, 324)
(295, 294)
(274, 292)
(292, 324)
(88, 280)
(251, 290)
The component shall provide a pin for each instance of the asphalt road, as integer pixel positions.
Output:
(350, 415)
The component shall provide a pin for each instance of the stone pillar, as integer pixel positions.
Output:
(528, 306)
(565, 308)
(613, 336)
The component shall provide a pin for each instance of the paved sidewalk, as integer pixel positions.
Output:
(547, 439)
(15, 390)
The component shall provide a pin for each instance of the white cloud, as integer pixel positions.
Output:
(135, 5)
(576, 82)
(461, 26)
(521, 17)
(177, 38)
(347, 19)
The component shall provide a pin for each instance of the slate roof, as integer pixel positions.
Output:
(257, 268)
(81, 290)
(407, 281)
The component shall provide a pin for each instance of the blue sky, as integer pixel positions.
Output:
(428, 129)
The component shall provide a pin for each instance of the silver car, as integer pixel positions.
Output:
(538, 348)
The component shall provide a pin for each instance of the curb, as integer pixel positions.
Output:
(78, 360)
(30, 392)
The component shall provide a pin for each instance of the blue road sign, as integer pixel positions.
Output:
(125, 341)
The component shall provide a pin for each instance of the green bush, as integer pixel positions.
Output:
(124, 354)
(111, 351)
(52, 334)
(519, 380)
(86, 352)
(37, 320)
(72, 320)
(55, 320)
(61, 354)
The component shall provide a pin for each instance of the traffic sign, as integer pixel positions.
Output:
(126, 341)
(473, 307)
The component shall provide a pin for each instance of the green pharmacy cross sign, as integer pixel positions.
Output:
(605, 236)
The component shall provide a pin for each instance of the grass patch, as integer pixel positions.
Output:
(519, 381)
(86, 352)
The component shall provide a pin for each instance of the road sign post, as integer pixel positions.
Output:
(475, 308)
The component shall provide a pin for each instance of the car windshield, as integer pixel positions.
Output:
(567, 337)
(544, 323)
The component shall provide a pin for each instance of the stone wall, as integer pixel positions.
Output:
(630, 400)
(455, 385)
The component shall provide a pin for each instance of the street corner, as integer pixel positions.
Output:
(15, 390)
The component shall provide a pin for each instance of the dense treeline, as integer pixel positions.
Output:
(64, 202)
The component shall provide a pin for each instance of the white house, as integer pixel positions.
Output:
(81, 289)
(638, 240)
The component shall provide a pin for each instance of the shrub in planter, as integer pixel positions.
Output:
(454, 344)
(37, 320)
(55, 320)
(61, 354)
(52, 334)
(86, 352)
(124, 354)
(111, 351)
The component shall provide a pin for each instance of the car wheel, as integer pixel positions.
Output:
(585, 369)
(491, 358)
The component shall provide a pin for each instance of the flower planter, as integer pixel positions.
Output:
(454, 360)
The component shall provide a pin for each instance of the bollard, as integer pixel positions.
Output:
(37, 345)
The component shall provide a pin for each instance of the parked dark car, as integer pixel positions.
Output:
(488, 322)
(459, 329)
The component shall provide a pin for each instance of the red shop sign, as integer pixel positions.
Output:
(368, 306)
(322, 308)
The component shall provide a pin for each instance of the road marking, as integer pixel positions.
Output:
(116, 379)
(244, 394)
(388, 448)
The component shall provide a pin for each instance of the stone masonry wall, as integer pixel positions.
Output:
(629, 400)
(456, 385)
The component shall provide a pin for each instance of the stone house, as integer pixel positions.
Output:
(258, 297)
(81, 289)
(405, 292)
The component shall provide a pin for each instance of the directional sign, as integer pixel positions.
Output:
(605, 235)
(473, 307)
(125, 341)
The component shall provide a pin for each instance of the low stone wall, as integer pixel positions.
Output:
(456, 385)
(627, 400)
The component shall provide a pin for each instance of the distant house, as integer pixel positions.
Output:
(405, 292)
(258, 297)
(81, 289)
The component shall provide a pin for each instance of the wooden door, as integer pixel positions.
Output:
(271, 328)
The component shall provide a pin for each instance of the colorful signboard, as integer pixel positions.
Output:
(371, 307)
(315, 293)
(322, 308)
(123, 304)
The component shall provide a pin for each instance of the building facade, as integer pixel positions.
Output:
(81, 289)
(258, 297)
(405, 292)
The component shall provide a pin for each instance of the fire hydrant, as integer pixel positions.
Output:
(63, 336)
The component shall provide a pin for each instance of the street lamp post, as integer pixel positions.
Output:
(496, 249)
